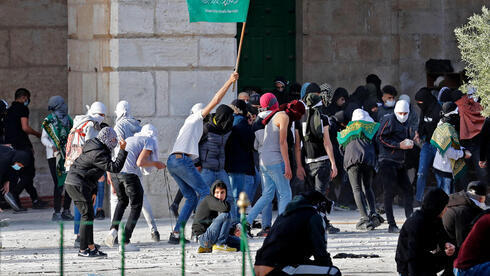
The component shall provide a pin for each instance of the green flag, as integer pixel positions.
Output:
(218, 10)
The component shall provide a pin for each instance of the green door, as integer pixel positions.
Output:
(269, 44)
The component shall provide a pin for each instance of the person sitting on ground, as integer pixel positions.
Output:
(142, 152)
(389, 94)
(95, 160)
(449, 163)
(297, 235)
(474, 256)
(394, 141)
(186, 148)
(212, 222)
(56, 127)
(463, 208)
(423, 246)
(359, 161)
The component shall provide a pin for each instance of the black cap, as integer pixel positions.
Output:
(435, 201)
(477, 187)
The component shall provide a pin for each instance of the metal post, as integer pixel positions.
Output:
(61, 248)
(122, 243)
(243, 203)
(182, 243)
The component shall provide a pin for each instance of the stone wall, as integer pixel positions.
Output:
(33, 55)
(342, 41)
(147, 52)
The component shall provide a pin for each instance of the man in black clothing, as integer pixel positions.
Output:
(17, 130)
(423, 248)
(297, 235)
(280, 91)
(394, 141)
(212, 222)
(463, 208)
(11, 165)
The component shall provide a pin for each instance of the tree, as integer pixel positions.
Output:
(474, 44)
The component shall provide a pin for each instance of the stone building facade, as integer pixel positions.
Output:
(147, 52)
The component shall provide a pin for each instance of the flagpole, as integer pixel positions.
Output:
(239, 50)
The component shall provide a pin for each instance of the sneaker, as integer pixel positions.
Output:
(20, 210)
(223, 248)
(56, 217)
(204, 250)
(100, 215)
(174, 209)
(332, 229)
(365, 224)
(376, 219)
(39, 204)
(77, 242)
(155, 236)
(175, 238)
(66, 215)
(92, 253)
(393, 229)
(264, 232)
(129, 247)
(110, 238)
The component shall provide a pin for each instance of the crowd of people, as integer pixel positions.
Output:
(323, 146)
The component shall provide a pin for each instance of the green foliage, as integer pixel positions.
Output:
(474, 44)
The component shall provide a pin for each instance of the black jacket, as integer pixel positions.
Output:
(296, 235)
(94, 161)
(428, 121)
(458, 217)
(390, 133)
(421, 235)
(239, 148)
(359, 151)
(207, 211)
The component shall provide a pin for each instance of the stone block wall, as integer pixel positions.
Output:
(147, 52)
(342, 41)
(33, 45)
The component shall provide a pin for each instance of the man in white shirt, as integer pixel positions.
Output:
(186, 148)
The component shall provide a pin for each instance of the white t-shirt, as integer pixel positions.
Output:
(189, 136)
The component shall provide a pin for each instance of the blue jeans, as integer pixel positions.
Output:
(99, 200)
(239, 182)
(445, 183)
(427, 154)
(479, 269)
(209, 176)
(76, 220)
(190, 182)
(272, 179)
(217, 232)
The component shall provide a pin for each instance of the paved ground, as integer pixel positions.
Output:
(31, 246)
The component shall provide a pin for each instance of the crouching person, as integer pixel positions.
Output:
(296, 235)
(212, 222)
(82, 178)
(422, 248)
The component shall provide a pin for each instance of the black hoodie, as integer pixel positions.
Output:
(296, 235)
(333, 108)
(94, 161)
(460, 213)
(430, 115)
(208, 210)
(420, 248)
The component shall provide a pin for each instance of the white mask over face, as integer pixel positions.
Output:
(390, 103)
(402, 106)
(99, 119)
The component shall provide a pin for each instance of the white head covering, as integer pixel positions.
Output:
(95, 109)
(361, 115)
(402, 106)
(404, 97)
(150, 131)
(122, 109)
(197, 108)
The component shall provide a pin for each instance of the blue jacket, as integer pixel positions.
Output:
(239, 149)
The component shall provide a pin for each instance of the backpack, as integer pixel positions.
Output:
(74, 148)
(314, 125)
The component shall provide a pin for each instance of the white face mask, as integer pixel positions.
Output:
(99, 119)
(401, 118)
(119, 113)
(390, 103)
(482, 205)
